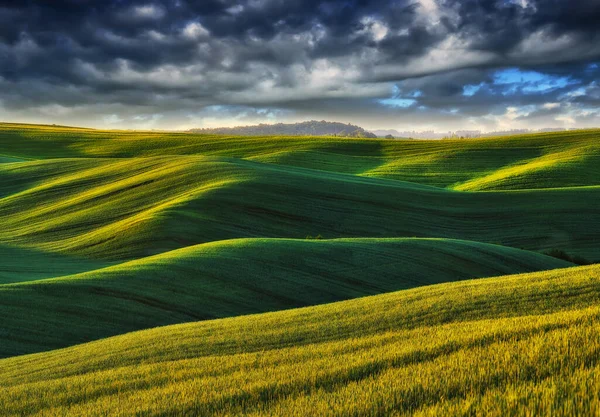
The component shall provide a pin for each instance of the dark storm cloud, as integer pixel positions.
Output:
(77, 58)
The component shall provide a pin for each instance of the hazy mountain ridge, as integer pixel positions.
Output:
(309, 128)
(431, 134)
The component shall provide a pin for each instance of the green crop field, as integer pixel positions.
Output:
(495, 346)
(236, 277)
(155, 273)
(531, 161)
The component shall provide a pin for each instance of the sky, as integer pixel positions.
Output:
(398, 64)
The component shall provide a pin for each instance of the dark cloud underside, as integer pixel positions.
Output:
(404, 63)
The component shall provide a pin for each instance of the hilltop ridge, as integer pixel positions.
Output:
(309, 128)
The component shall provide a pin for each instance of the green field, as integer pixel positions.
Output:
(439, 249)
(519, 162)
(126, 208)
(495, 346)
(237, 277)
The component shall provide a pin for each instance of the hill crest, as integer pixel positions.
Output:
(308, 128)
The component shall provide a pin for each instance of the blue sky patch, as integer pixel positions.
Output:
(398, 102)
(471, 90)
(514, 80)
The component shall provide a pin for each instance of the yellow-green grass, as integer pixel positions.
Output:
(105, 232)
(230, 278)
(514, 345)
(548, 160)
(125, 208)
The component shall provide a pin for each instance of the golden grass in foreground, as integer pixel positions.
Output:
(75, 200)
(515, 345)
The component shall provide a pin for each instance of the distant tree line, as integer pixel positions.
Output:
(310, 128)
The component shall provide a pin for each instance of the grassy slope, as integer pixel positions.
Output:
(8, 159)
(522, 162)
(22, 264)
(133, 207)
(494, 346)
(237, 277)
(516, 345)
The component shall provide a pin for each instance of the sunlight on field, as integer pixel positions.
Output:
(152, 273)
(490, 343)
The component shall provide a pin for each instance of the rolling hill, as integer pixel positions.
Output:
(309, 128)
(499, 346)
(230, 278)
(19, 264)
(542, 160)
(297, 275)
(126, 208)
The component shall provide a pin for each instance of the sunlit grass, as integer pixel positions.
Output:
(541, 159)
(225, 279)
(125, 208)
(510, 345)
(108, 232)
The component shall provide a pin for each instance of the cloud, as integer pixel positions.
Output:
(194, 30)
(148, 11)
(112, 119)
(470, 60)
